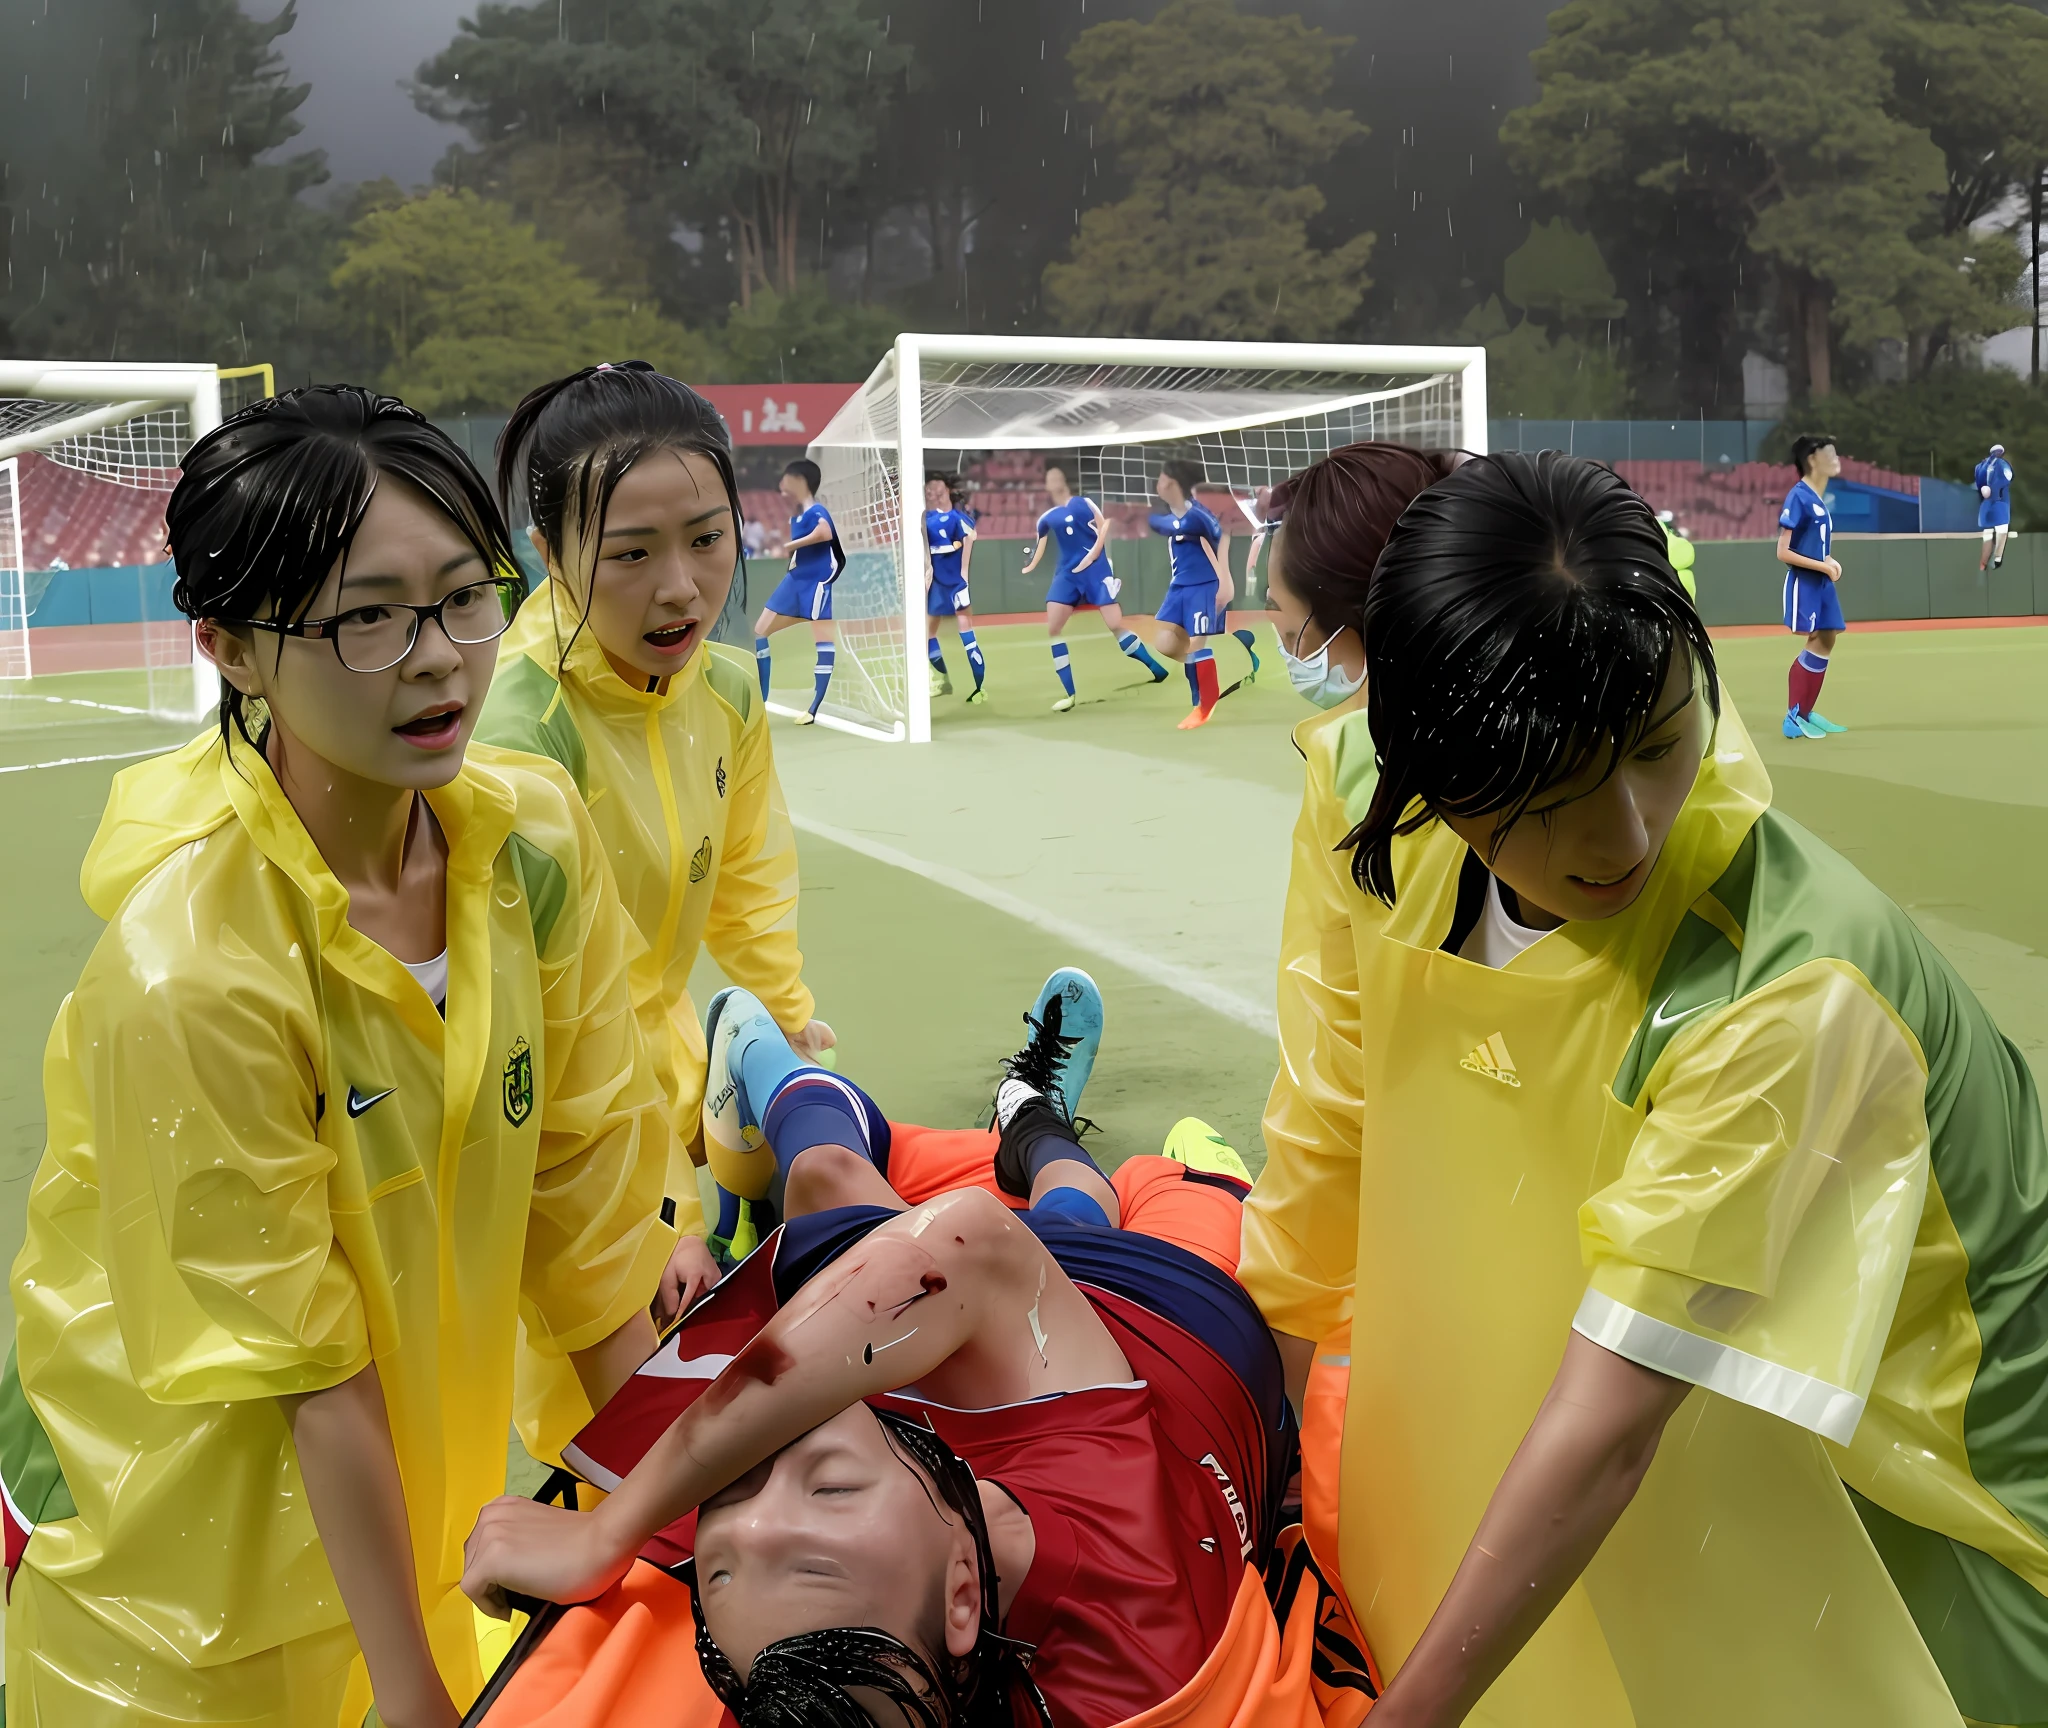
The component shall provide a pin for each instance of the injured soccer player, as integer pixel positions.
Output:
(949, 1462)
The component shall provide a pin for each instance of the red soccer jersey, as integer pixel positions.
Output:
(1142, 1497)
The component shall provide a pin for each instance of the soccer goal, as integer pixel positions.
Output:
(88, 454)
(1250, 413)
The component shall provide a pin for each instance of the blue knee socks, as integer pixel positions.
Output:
(974, 660)
(815, 1108)
(821, 677)
(1071, 1206)
(1059, 665)
(931, 653)
(762, 663)
(1137, 650)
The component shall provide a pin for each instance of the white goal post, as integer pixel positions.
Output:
(123, 423)
(1250, 413)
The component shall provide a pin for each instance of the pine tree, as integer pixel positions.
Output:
(1215, 119)
(142, 224)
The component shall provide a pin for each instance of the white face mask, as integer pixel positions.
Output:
(1315, 679)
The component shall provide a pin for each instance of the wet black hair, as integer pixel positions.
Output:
(808, 472)
(570, 442)
(1186, 475)
(805, 1681)
(1519, 629)
(951, 482)
(1804, 448)
(270, 498)
(1070, 470)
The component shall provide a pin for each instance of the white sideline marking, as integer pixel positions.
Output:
(73, 761)
(1220, 999)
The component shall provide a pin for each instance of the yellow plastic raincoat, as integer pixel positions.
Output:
(682, 788)
(1752, 1132)
(272, 1163)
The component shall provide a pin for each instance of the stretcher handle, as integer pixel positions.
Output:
(559, 1489)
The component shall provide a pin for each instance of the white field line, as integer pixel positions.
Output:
(1218, 998)
(74, 761)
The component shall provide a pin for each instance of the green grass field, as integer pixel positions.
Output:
(942, 884)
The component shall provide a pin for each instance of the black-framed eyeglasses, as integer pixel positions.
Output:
(375, 638)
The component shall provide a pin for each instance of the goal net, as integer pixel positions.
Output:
(89, 454)
(1249, 414)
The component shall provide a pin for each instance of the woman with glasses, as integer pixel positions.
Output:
(349, 1089)
(627, 477)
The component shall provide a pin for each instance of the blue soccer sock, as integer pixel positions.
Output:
(762, 663)
(821, 677)
(1059, 665)
(1071, 1206)
(812, 1107)
(1192, 668)
(931, 653)
(1130, 643)
(729, 1205)
(974, 660)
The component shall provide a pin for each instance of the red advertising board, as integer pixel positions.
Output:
(790, 414)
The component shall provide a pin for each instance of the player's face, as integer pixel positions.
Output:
(1584, 851)
(835, 1530)
(1056, 486)
(794, 491)
(1825, 463)
(1168, 492)
(408, 724)
(936, 497)
(664, 564)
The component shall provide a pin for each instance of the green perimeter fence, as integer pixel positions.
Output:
(1884, 577)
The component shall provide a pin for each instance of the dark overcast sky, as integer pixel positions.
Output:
(355, 53)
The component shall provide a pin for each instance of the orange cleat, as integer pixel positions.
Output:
(1196, 717)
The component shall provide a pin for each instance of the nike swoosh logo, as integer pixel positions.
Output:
(357, 1103)
(1658, 1020)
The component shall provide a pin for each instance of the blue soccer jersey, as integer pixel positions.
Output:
(945, 532)
(818, 561)
(1995, 472)
(1186, 535)
(1807, 517)
(1071, 529)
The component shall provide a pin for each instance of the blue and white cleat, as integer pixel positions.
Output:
(1792, 727)
(1824, 723)
(1077, 1033)
(734, 1148)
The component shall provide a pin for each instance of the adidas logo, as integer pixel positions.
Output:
(1492, 1060)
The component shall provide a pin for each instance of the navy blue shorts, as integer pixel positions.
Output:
(1098, 585)
(1192, 606)
(1812, 603)
(944, 599)
(796, 598)
(1164, 1280)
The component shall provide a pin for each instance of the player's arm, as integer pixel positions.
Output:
(967, 540)
(1829, 568)
(1100, 523)
(1218, 551)
(1037, 552)
(954, 1296)
(818, 536)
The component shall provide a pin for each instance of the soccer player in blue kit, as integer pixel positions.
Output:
(805, 594)
(1812, 607)
(1198, 598)
(1994, 505)
(1080, 532)
(949, 548)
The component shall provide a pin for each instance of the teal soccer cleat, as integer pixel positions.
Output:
(1824, 723)
(1070, 1041)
